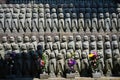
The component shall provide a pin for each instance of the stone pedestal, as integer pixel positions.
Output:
(96, 75)
(70, 75)
(44, 76)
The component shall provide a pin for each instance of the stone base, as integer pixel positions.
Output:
(77, 74)
(71, 75)
(96, 75)
(44, 76)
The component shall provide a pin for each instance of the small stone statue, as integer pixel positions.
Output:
(2, 27)
(101, 22)
(21, 21)
(74, 24)
(54, 23)
(114, 22)
(118, 27)
(57, 41)
(12, 41)
(108, 60)
(64, 40)
(49, 42)
(77, 58)
(71, 42)
(61, 23)
(114, 40)
(2, 52)
(28, 17)
(8, 49)
(78, 41)
(34, 42)
(4, 41)
(41, 25)
(48, 27)
(8, 27)
(52, 61)
(87, 22)
(35, 22)
(41, 8)
(63, 50)
(41, 42)
(19, 41)
(93, 45)
(71, 50)
(68, 23)
(85, 45)
(94, 23)
(84, 64)
(107, 40)
(107, 26)
(27, 42)
(60, 64)
(81, 23)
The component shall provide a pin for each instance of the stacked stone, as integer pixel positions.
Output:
(27, 18)
(59, 50)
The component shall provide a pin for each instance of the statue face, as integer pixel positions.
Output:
(49, 38)
(23, 47)
(41, 38)
(68, 15)
(85, 38)
(41, 15)
(85, 46)
(56, 38)
(33, 38)
(94, 15)
(92, 38)
(48, 15)
(4, 39)
(61, 15)
(12, 39)
(107, 15)
(19, 39)
(47, 6)
(81, 15)
(31, 47)
(15, 47)
(41, 5)
(107, 38)
(53, 10)
(99, 37)
(64, 38)
(77, 46)
(107, 46)
(114, 37)
(74, 15)
(114, 15)
(60, 10)
(8, 47)
(78, 38)
(62, 46)
(70, 47)
(70, 38)
(101, 15)
(26, 39)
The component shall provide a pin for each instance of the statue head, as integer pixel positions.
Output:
(61, 15)
(107, 38)
(41, 38)
(12, 39)
(41, 5)
(29, 5)
(33, 38)
(22, 5)
(64, 39)
(47, 10)
(81, 15)
(35, 15)
(101, 16)
(77, 46)
(84, 55)
(26, 39)
(54, 15)
(99, 37)
(87, 16)
(67, 15)
(107, 45)
(56, 38)
(15, 10)
(14, 16)
(85, 38)
(23, 48)
(17, 6)
(15, 47)
(114, 15)
(21, 16)
(53, 10)
(49, 39)
(10, 6)
(4, 39)
(78, 38)
(47, 6)
(48, 15)
(35, 6)
(28, 10)
(68, 55)
(114, 37)
(19, 39)
(92, 46)
(41, 15)
(55, 46)
(74, 15)
(60, 10)
(8, 47)
(94, 15)
(107, 15)
(70, 38)
(31, 47)
(115, 45)
(92, 38)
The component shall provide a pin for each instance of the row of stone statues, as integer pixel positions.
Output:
(58, 53)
